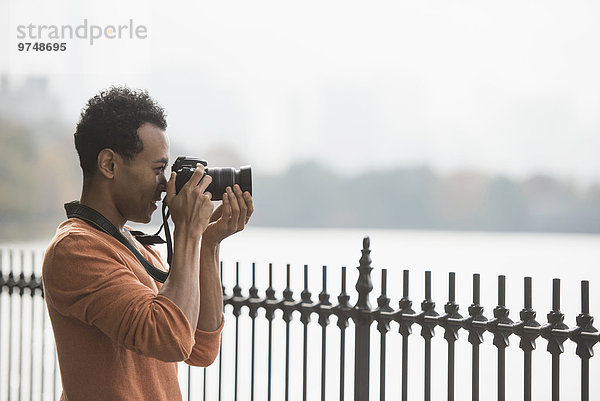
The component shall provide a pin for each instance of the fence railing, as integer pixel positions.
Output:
(20, 365)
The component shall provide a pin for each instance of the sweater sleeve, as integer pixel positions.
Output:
(206, 347)
(90, 282)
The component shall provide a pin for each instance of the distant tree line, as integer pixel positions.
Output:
(39, 171)
(310, 195)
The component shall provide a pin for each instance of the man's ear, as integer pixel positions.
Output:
(106, 163)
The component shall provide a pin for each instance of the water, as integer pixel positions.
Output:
(542, 256)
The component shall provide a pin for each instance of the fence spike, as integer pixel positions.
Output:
(450, 330)
(527, 316)
(451, 312)
(555, 321)
(383, 305)
(270, 301)
(270, 292)
(584, 325)
(287, 292)
(500, 317)
(584, 346)
(253, 299)
(427, 309)
(556, 295)
(452, 287)
(476, 289)
(237, 293)
(253, 290)
(475, 315)
(324, 303)
(288, 299)
(344, 298)
(585, 297)
(555, 343)
(306, 300)
(405, 305)
(306, 294)
(343, 305)
(427, 331)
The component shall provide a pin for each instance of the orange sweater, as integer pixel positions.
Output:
(116, 338)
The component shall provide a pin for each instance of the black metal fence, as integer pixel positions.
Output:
(28, 369)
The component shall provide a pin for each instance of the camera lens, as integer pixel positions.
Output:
(244, 178)
(223, 177)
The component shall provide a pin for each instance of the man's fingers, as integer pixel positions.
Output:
(226, 207)
(242, 205)
(196, 176)
(204, 184)
(198, 181)
(235, 208)
(170, 187)
(249, 204)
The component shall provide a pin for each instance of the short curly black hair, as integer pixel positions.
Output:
(110, 120)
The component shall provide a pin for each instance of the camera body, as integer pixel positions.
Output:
(222, 177)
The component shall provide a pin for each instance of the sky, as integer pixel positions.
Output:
(507, 88)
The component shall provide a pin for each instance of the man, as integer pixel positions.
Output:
(119, 333)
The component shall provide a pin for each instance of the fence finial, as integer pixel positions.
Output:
(363, 319)
(364, 285)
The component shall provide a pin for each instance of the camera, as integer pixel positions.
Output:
(222, 177)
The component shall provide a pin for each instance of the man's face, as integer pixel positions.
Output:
(140, 182)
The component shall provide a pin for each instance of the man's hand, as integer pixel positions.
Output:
(191, 208)
(231, 216)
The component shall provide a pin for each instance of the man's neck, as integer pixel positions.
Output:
(98, 200)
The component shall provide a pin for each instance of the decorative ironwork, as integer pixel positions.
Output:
(15, 284)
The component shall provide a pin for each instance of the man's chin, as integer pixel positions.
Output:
(146, 217)
(141, 220)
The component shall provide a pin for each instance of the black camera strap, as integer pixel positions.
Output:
(98, 221)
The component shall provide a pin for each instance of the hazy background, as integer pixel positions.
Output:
(461, 115)
(386, 117)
